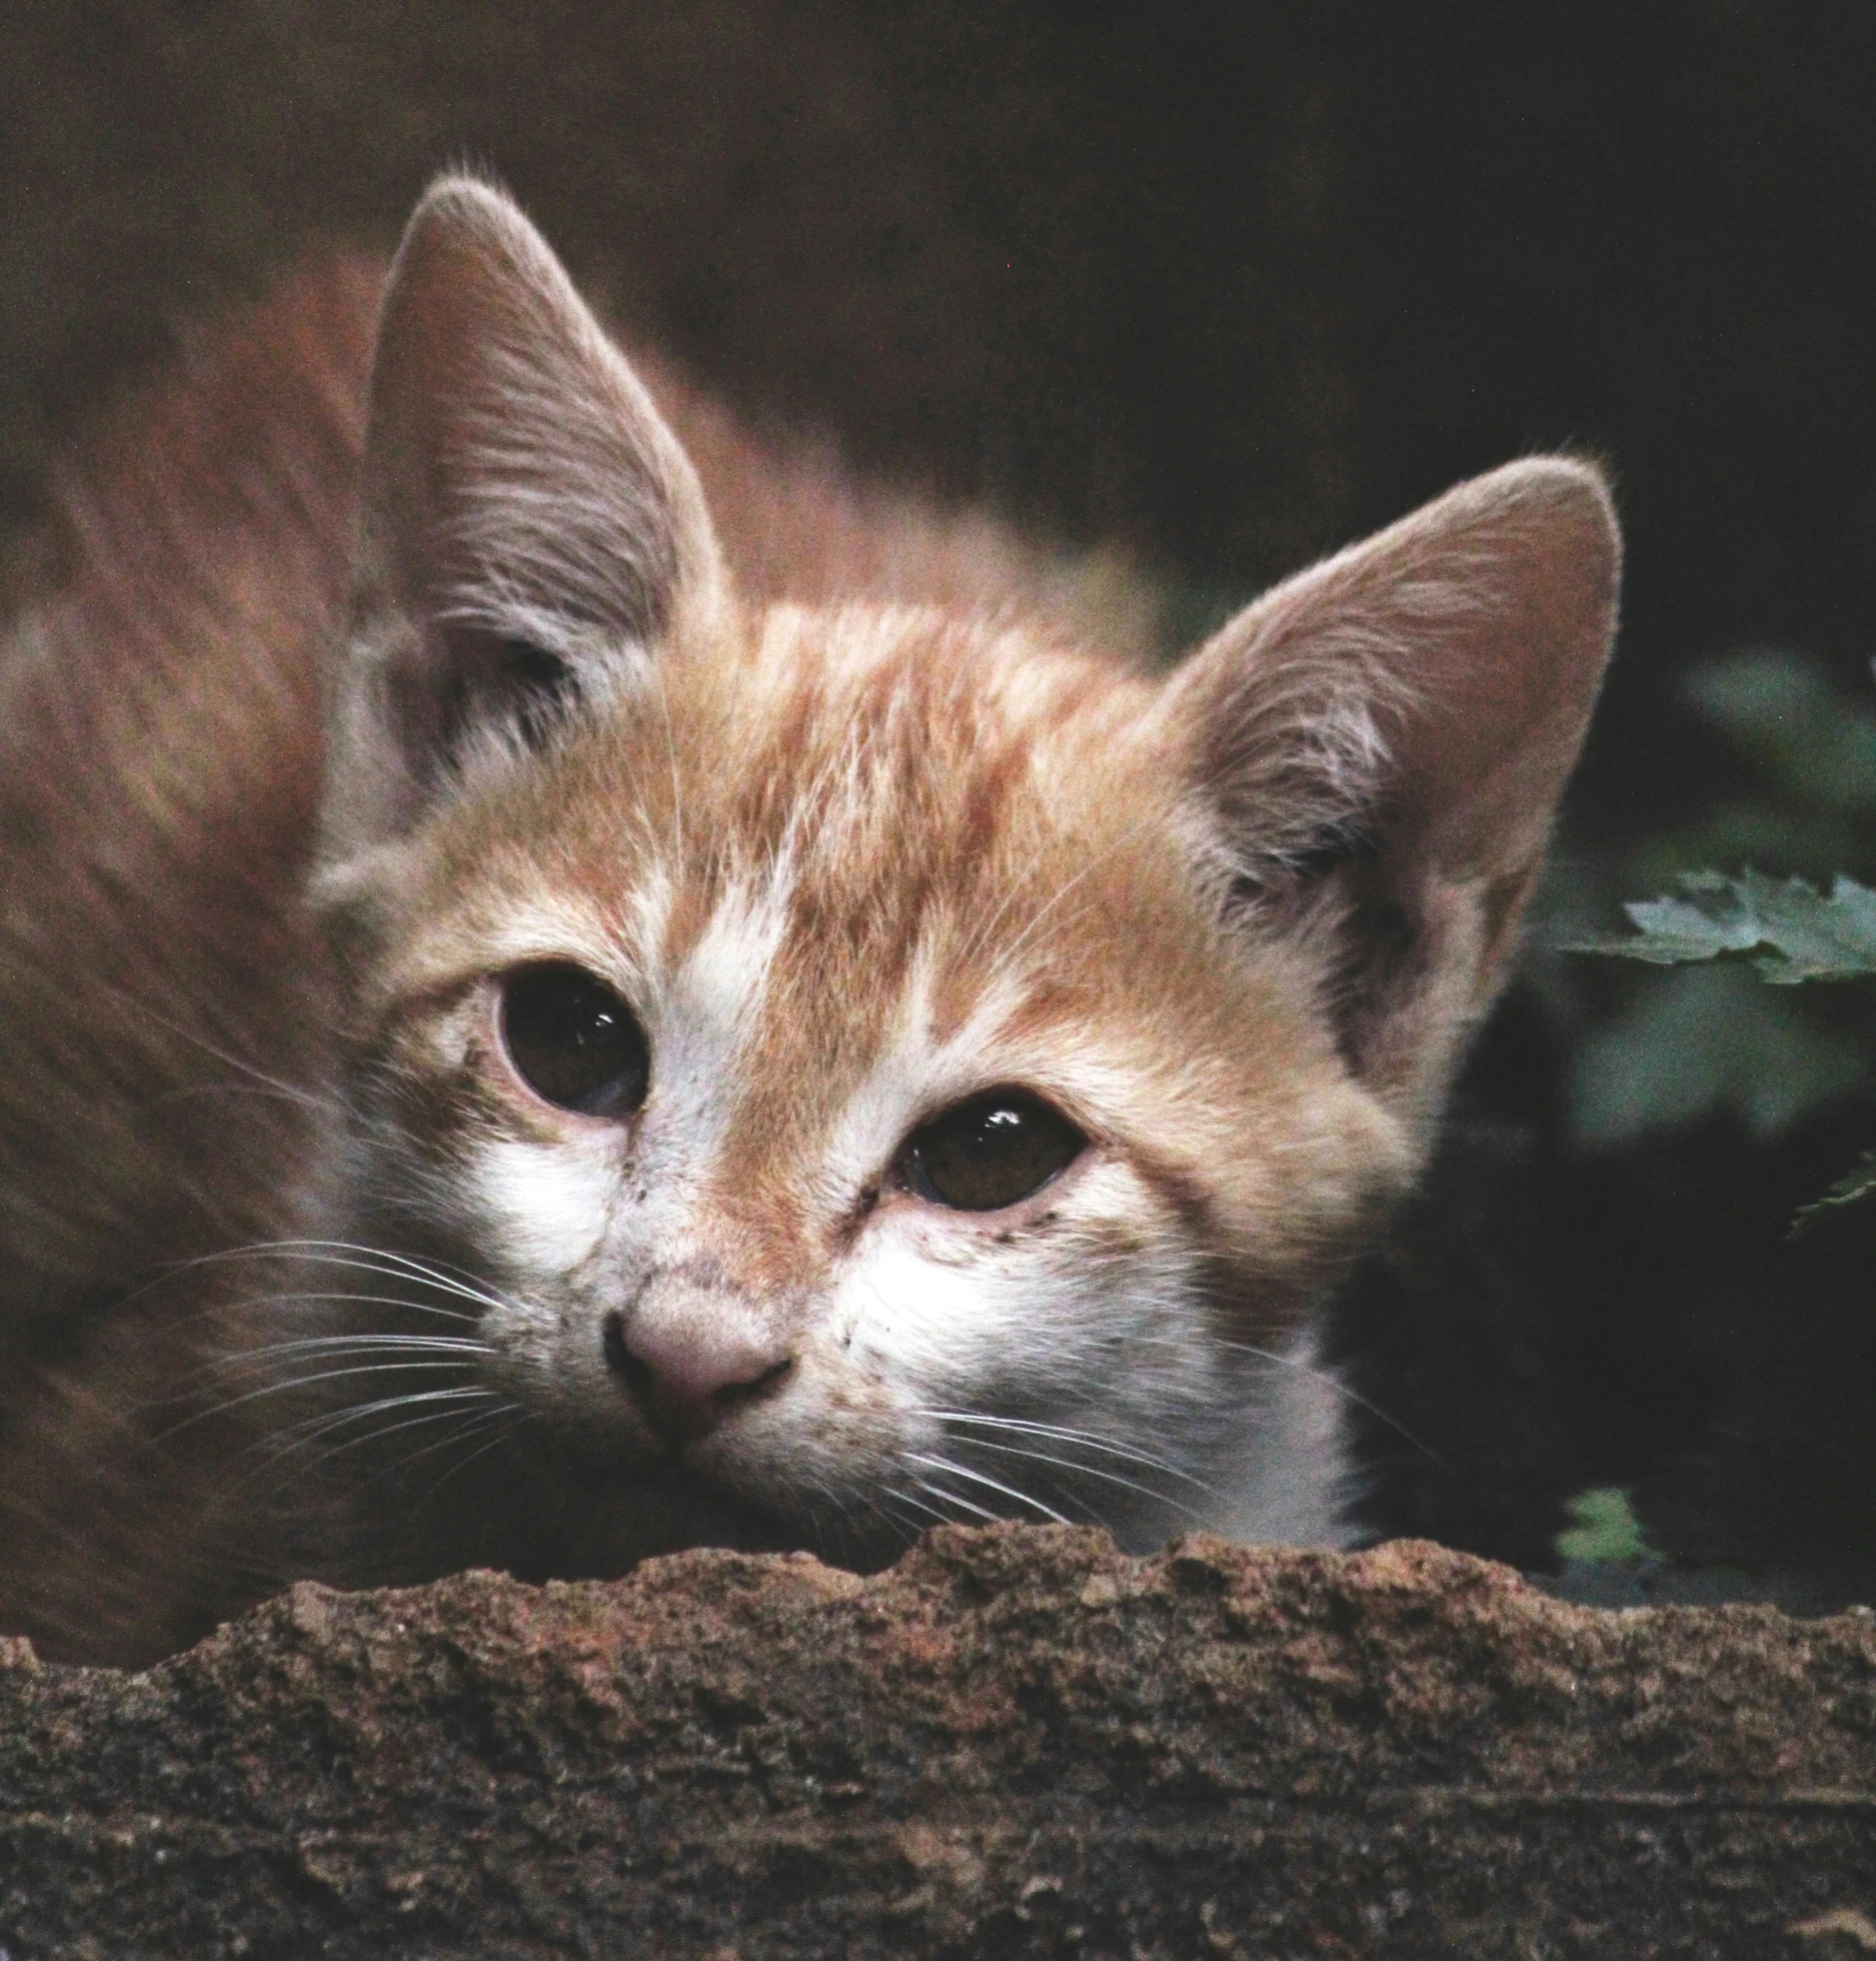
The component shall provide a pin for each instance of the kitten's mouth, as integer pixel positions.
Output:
(683, 1507)
(687, 1507)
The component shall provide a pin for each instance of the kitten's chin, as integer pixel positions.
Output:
(701, 1510)
(602, 1520)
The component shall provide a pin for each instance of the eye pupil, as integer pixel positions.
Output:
(574, 1041)
(990, 1152)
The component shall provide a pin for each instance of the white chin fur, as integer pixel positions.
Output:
(1292, 1482)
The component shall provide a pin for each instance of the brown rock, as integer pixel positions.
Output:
(1016, 1742)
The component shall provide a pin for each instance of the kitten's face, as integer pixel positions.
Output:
(880, 1067)
(832, 1062)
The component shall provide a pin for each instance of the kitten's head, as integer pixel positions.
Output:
(880, 1064)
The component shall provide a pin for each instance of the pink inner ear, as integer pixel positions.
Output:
(530, 527)
(1438, 677)
(1426, 694)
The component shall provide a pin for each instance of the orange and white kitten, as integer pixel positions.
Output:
(779, 1026)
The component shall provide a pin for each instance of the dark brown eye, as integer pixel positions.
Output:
(990, 1152)
(574, 1042)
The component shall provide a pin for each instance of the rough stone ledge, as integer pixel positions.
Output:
(1016, 1742)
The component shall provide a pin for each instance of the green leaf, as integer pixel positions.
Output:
(1605, 1529)
(1795, 931)
(1855, 1185)
(1703, 1039)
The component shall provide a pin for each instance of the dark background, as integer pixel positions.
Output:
(1233, 283)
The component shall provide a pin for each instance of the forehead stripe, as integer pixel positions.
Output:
(720, 982)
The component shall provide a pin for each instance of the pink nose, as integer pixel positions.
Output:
(687, 1364)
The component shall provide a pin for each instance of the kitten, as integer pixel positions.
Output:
(763, 1019)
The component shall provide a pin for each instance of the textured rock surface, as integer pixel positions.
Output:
(1018, 1742)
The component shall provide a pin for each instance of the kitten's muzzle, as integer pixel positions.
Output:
(689, 1361)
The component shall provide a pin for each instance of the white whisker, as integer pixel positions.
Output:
(310, 1429)
(958, 1501)
(366, 1438)
(503, 1416)
(1010, 1491)
(367, 1258)
(417, 1344)
(326, 1103)
(1086, 1470)
(347, 1256)
(1330, 1381)
(292, 1384)
(1060, 1433)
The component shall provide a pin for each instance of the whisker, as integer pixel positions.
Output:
(921, 1513)
(660, 687)
(481, 1450)
(1060, 1433)
(1007, 957)
(502, 1415)
(365, 1438)
(1331, 1380)
(272, 1452)
(918, 1516)
(898, 1510)
(267, 1091)
(330, 1348)
(1087, 1470)
(399, 1301)
(1327, 1377)
(957, 1499)
(325, 1104)
(344, 1254)
(361, 1342)
(350, 1253)
(291, 1383)
(311, 1428)
(981, 1477)
(461, 1344)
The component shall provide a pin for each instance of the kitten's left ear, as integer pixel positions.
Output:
(530, 530)
(1374, 751)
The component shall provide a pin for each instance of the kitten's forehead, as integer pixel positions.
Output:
(904, 792)
(879, 815)
(848, 827)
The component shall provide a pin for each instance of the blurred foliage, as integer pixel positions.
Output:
(1690, 1044)
(1651, 1052)
(1604, 1528)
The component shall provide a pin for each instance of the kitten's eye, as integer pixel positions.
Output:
(574, 1042)
(990, 1152)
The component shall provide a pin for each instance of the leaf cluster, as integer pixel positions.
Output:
(1787, 929)
(1707, 1036)
(1816, 752)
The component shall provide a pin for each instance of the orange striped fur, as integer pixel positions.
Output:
(855, 813)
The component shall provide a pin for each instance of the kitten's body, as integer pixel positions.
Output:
(857, 813)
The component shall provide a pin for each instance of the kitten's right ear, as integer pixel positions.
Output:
(530, 530)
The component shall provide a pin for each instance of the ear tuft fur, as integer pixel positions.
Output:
(529, 526)
(1377, 749)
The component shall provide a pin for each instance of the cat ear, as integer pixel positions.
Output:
(530, 530)
(1375, 750)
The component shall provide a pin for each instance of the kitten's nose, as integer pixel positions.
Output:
(688, 1371)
